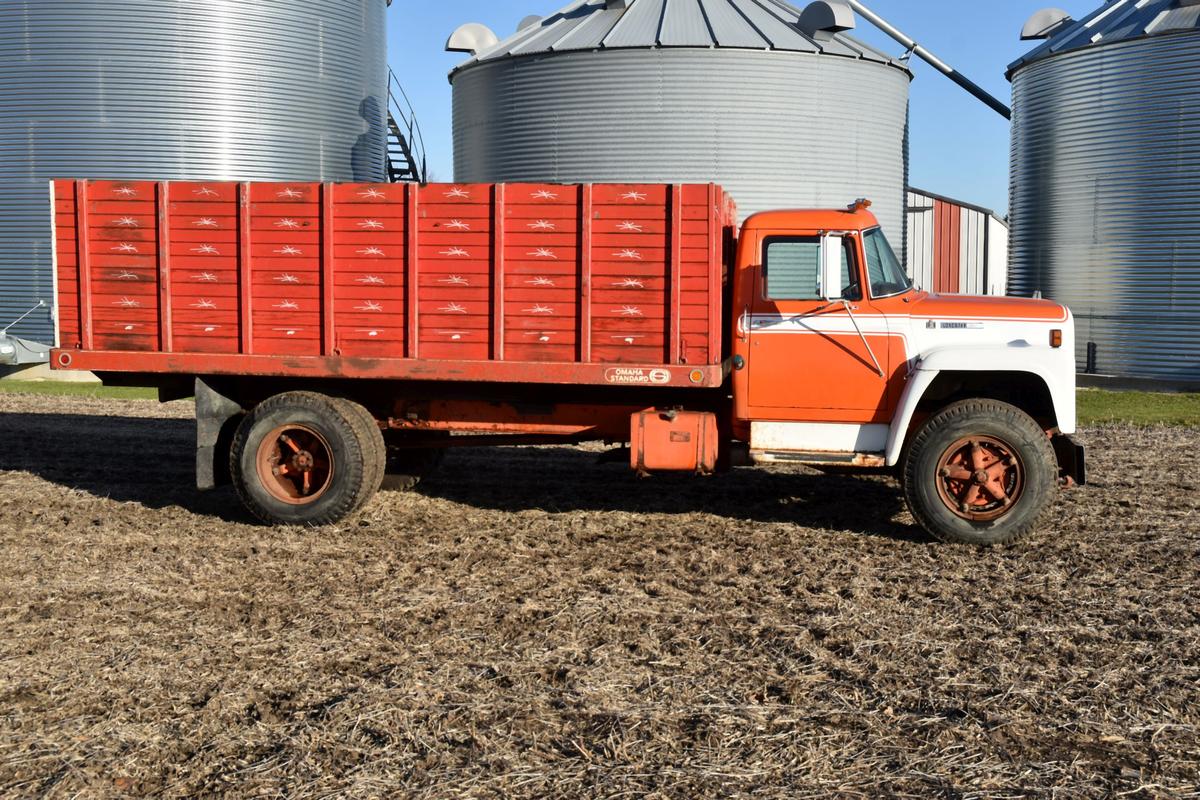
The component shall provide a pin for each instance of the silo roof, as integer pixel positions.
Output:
(1117, 21)
(744, 24)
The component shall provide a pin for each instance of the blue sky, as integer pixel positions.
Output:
(959, 146)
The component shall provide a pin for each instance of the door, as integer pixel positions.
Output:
(807, 361)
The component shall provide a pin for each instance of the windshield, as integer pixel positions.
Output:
(883, 268)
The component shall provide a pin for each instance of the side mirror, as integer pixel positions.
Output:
(831, 267)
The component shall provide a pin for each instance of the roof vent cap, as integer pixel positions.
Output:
(1045, 23)
(471, 38)
(528, 22)
(824, 18)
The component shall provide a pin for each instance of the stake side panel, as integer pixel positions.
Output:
(603, 283)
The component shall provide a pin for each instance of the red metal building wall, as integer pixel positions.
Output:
(947, 256)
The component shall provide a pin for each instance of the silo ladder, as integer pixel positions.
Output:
(405, 144)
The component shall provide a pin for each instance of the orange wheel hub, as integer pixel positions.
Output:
(980, 478)
(295, 464)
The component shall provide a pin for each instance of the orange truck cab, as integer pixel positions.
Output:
(838, 359)
(335, 334)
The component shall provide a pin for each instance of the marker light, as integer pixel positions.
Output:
(861, 203)
(1056, 338)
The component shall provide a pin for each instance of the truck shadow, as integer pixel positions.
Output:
(150, 461)
(568, 479)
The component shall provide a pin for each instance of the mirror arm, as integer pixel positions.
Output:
(866, 344)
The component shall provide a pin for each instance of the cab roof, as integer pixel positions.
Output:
(820, 219)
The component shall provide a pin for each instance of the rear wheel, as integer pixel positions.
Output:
(980, 472)
(302, 458)
(372, 436)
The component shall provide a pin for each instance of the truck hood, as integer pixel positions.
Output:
(929, 305)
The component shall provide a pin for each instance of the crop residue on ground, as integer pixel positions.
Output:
(533, 624)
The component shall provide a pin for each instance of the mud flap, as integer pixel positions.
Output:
(213, 434)
(1072, 461)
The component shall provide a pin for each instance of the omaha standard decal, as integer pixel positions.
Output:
(637, 376)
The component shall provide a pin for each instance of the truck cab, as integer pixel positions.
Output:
(837, 359)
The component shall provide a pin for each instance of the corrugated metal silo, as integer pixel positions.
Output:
(264, 90)
(1105, 205)
(707, 90)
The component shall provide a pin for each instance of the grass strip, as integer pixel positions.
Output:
(61, 389)
(1097, 407)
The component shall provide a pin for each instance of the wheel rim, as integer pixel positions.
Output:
(295, 464)
(980, 478)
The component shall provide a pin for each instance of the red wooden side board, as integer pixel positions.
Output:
(441, 273)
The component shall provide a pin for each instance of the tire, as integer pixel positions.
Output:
(302, 458)
(980, 472)
(408, 466)
(371, 435)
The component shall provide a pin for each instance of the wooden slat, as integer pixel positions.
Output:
(84, 266)
(673, 317)
(498, 272)
(585, 274)
(412, 272)
(244, 276)
(328, 344)
(716, 255)
(163, 205)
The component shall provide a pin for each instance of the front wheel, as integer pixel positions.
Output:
(980, 472)
(302, 458)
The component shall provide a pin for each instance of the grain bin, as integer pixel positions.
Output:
(729, 91)
(1105, 203)
(266, 90)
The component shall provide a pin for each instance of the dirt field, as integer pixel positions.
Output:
(531, 624)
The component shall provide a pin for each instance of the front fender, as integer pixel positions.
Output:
(1055, 367)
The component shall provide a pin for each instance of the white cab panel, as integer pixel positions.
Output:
(816, 437)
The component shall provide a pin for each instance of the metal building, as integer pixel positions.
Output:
(1105, 204)
(956, 247)
(268, 90)
(729, 91)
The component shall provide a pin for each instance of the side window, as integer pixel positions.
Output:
(792, 268)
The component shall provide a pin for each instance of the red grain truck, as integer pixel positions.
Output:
(332, 333)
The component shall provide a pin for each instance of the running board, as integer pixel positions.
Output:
(817, 458)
